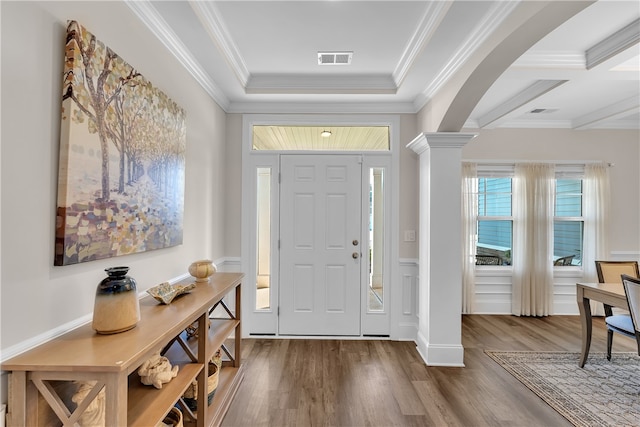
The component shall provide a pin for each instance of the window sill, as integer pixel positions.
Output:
(491, 270)
(507, 270)
(567, 271)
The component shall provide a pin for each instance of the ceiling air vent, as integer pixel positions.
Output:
(543, 110)
(334, 58)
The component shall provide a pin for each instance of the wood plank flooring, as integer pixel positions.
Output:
(385, 383)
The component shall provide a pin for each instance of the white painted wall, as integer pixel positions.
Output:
(409, 183)
(233, 197)
(620, 147)
(38, 299)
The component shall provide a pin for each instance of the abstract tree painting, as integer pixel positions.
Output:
(122, 158)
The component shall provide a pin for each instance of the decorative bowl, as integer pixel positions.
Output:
(202, 270)
(165, 293)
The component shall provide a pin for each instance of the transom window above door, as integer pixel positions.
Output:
(320, 138)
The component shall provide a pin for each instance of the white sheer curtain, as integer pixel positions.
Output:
(533, 210)
(469, 234)
(596, 217)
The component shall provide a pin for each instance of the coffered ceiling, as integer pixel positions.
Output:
(262, 57)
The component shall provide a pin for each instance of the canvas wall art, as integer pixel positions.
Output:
(122, 158)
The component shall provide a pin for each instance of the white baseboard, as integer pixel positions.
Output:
(561, 309)
(492, 308)
(440, 355)
(407, 332)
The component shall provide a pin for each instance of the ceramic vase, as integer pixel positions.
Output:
(116, 307)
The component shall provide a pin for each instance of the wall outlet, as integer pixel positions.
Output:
(409, 235)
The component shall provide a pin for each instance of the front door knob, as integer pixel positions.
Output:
(355, 255)
(355, 243)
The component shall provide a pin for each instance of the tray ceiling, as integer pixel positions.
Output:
(262, 57)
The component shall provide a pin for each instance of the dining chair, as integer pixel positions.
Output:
(626, 324)
(610, 271)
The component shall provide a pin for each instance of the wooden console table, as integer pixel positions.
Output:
(112, 361)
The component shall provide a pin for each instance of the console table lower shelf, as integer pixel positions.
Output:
(228, 384)
(145, 404)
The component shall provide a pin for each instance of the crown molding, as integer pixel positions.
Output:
(209, 16)
(485, 27)
(302, 83)
(429, 140)
(611, 122)
(561, 124)
(607, 115)
(471, 124)
(537, 124)
(613, 45)
(435, 13)
(540, 87)
(145, 11)
(321, 108)
(620, 125)
(551, 59)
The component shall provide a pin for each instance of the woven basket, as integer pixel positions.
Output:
(217, 358)
(191, 393)
(172, 419)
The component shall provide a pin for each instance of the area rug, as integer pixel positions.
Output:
(603, 393)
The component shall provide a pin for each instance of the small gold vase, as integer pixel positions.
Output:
(202, 270)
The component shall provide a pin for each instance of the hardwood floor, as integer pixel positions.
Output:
(385, 383)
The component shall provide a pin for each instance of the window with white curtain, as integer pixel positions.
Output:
(568, 223)
(495, 220)
(495, 223)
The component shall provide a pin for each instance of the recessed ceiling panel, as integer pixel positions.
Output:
(285, 36)
(321, 138)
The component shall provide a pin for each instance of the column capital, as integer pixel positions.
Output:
(427, 140)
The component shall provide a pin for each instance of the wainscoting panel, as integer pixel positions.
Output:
(564, 291)
(409, 306)
(405, 324)
(493, 291)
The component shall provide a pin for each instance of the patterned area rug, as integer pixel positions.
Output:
(603, 393)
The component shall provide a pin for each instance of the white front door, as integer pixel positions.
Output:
(320, 235)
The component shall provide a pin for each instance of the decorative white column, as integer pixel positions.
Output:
(440, 251)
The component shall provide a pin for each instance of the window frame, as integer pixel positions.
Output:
(573, 173)
(482, 174)
(562, 171)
